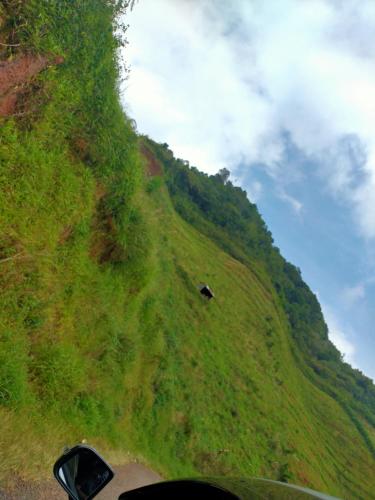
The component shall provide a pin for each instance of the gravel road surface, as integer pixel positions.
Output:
(127, 477)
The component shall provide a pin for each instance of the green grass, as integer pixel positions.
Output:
(217, 389)
(69, 168)
(103, 333)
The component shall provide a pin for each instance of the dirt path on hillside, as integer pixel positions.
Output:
(127, 477)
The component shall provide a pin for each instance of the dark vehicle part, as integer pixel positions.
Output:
(223, 489)
(82, 472)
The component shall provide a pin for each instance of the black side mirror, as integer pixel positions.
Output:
(82, 472)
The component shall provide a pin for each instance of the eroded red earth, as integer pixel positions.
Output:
(16, 74)
(153, 166)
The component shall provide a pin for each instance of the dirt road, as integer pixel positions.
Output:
(127, 477)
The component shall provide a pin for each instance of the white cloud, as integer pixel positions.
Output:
(352, 295)
(338, 336)
(293, 202)
(182, 61)
(254, 191)
(221, 82)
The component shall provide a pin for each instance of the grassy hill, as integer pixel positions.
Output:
(225, 394)
(103, 332)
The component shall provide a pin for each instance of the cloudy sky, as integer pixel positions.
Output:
(281, 92)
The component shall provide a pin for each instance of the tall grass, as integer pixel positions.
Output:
(73, 242)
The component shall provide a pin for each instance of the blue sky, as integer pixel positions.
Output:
(283, 94)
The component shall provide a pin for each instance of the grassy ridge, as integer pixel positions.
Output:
(103, 334)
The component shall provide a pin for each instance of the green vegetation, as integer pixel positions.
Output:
(222, 211)
(71, 245)
(103, 332)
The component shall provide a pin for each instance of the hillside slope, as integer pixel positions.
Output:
(103, 332)
(229, 389)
